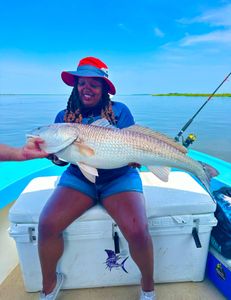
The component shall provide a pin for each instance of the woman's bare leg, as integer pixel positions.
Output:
(63, 207)
(128, 211)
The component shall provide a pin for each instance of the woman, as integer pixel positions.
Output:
(122, 198)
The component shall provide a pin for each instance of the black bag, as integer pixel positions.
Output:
(221, 234)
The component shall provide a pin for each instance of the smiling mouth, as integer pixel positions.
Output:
(87, 96)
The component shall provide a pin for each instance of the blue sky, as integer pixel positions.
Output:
(150, 46)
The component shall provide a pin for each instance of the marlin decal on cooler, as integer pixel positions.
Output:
(112, 260)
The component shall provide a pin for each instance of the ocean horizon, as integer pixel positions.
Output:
(168, 114)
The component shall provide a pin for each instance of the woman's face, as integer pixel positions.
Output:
(90, 90)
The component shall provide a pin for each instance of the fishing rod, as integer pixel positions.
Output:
(191, 138)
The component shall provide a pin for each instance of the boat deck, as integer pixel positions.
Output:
(12, 289)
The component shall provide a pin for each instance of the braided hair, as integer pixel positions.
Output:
(74, 108)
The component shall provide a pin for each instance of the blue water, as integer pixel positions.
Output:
(21, 113)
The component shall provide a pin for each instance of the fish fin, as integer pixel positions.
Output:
(157, 135)
(89, 172)
(161, 172)
(84, 149)
(103, 123)
(122, 265)
(110, 253)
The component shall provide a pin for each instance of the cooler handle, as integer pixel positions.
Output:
(115, 236)
(196, 237)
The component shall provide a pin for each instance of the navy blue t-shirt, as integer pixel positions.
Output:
(124, 119)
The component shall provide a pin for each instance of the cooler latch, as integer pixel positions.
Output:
(195, 234)
(32, 235)
(115, 236)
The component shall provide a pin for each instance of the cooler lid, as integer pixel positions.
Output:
(179, 196)
(31, 201)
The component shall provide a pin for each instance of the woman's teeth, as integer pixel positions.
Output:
(87, 96)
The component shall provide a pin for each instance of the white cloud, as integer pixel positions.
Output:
(220, 18)
(158, 32)
(123, 27)
(216, 17)
(218, 36)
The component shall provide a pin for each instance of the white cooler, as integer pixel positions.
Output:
(180, 217)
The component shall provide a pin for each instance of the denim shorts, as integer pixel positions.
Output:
(130, 181)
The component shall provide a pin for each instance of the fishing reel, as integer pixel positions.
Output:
(189, 140)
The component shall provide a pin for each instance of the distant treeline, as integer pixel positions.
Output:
(193, 95)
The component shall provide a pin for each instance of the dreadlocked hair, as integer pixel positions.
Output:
(74, 107)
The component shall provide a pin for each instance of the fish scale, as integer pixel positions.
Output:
(123, 147)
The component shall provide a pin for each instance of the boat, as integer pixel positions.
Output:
(15, 176)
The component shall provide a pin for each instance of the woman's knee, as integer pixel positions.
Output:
(137, 233)
(48, 227)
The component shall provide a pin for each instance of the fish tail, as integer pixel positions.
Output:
(210, 172)
(122, 265)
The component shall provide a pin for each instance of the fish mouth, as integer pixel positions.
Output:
(31, 136)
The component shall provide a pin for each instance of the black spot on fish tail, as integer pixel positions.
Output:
(209, 170)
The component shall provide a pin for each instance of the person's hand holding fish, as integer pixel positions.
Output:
(32, 149)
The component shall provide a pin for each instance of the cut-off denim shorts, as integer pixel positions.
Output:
(130, 181)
